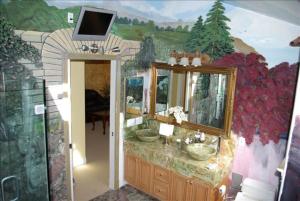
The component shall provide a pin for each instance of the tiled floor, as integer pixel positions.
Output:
(126, 193)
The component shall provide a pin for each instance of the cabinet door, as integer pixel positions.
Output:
(145, 176)
(200, 192)
(131, 170)
(189, 191)
(179, 187)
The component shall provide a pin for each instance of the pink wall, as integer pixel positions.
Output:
(258, 161)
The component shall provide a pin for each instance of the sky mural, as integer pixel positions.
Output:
(268, 36)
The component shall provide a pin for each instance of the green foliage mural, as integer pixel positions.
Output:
(211, 37)
(195, 39)
(147, 53)
(143, 59)
(12, 49)
(217, 41)
(41, 17)
(38, 16)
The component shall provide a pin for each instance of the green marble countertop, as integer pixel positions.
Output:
(173, 158)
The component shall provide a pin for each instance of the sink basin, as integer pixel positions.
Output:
(147, 135)
(200, 152)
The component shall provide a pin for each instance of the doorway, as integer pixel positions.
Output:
(90, 90)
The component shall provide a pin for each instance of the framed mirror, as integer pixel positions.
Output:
(205, 93)
(134, 93)
(207, 99)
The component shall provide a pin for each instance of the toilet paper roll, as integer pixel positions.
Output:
(222, 190)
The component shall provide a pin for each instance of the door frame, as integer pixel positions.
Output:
(115, 74)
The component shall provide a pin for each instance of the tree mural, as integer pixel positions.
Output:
(147, 53)
(13, 48)
(195, 39)
(142, 60)
(217, 41)
(264, 98)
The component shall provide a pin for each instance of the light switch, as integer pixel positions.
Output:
(70, 18)
(39, 109)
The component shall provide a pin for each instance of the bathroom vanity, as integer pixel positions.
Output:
(169, 174)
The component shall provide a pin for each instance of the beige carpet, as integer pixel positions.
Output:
(91, 179)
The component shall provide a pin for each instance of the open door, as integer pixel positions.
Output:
(77, 141)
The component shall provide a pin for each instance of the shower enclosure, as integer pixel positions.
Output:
(23, 147)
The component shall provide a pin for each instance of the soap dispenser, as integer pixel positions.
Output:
(202, 137)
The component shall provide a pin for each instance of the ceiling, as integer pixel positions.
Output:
(287, 10)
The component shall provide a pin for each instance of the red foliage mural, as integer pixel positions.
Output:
(264, 97)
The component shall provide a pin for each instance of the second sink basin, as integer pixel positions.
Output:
(199, 151)
(147, 135)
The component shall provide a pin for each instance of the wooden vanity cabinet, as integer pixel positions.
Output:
(165, 184)
(161, 183)
(145, 171)
(180, 187)
(138, 173)
(187, 189)
(131, 170)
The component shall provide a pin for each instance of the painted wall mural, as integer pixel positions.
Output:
(257, 44)
(264, 97)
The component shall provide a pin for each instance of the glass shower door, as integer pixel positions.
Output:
(23, 148)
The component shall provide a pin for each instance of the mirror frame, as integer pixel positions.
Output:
(231, 72)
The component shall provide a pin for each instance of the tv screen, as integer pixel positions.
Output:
(93, 24)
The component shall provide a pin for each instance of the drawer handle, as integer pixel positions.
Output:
(158, 190)
(160, 174)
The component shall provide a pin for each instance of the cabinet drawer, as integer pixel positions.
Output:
(161, 174)
(161, 190)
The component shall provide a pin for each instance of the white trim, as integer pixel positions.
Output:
(68, 105)
(112, 123)
(122, 181)
(114, 69)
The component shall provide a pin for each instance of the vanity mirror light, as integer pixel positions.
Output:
(134, 93)
(205, 93)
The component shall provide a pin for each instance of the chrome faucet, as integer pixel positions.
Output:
(219, 145)
(200, 136)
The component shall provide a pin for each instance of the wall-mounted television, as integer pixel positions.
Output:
(93, 24)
